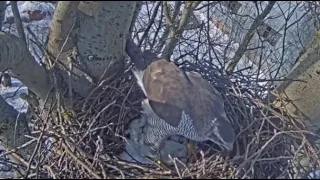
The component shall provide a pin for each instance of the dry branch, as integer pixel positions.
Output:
(154, 14)
(176, 32)
(2, 12)
(16, 57)
(266, 137)
(163, 38)
(17, 20)
(88, 139)
(247, 38)
(135, 15)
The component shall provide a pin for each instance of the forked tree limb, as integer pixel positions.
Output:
(16, 57)
(166, 31)
(247, 38)
(176, 32)
(135, 15)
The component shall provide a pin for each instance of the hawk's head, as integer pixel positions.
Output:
(222, 132)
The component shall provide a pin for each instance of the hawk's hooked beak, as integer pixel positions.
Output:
(228, 146)
(223, 133)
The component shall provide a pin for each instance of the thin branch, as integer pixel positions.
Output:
(135, 15)
(247, 38)
(167, 14)
(165, 34)
(151, 22)
(18, 22)
(83, 164)
(175, 33)
(157, 30)
(2, 12)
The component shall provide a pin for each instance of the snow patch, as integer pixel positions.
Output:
(12, 95)
(25, 6)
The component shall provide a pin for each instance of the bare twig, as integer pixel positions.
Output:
(247, 38)
(18, 22)
(176, 32)
(151, 22)
(75, 158)
(2, 12)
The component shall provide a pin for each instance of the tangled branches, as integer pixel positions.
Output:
(86, 143)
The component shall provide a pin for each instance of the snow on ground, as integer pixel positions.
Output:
(135, 150)
(12, 95)
(25, 6)
(40, 28)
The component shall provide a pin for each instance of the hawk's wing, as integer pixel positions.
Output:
(170, 91)
(164, 83)
(212, 103)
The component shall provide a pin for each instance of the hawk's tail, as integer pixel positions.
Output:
(138, 74)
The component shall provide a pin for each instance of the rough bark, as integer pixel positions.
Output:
(247, 38)
(301, 94)
(61, 25)
(104, 45)
(98, 29)
(2, 12)
(16, 57)
(302, 91)
(94, 34)
(60, 46)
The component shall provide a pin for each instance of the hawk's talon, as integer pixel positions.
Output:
(161, 163)
(156, 158)
(191, 151)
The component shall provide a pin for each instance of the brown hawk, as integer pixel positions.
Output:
(182, 103)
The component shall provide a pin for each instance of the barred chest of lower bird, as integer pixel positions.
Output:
(185, 127)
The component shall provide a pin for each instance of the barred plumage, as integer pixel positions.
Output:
(158, 129)
(182, 103)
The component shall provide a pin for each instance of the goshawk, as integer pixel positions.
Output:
(182, 103)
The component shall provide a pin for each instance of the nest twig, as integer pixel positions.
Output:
(87, 144)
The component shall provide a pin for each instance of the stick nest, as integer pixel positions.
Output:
(87, 141)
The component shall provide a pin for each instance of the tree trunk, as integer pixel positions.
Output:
(303, 96)
(16, 57)
(104, 45)
(90, 36)
(2, 12)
